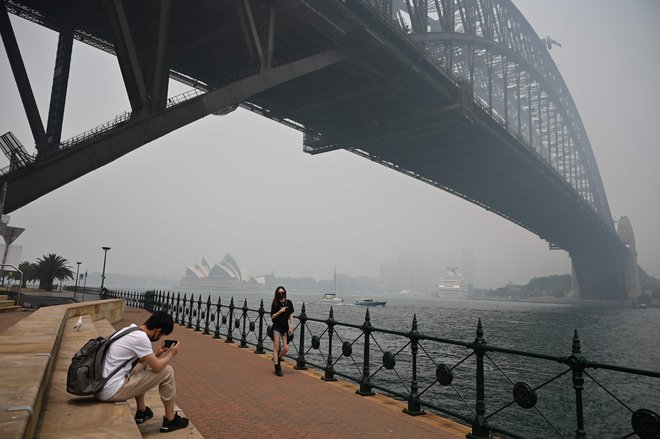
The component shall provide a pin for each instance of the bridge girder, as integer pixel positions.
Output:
(461, 95)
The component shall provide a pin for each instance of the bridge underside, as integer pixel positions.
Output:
(355, 84)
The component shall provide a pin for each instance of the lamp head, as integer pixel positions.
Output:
(105, 248)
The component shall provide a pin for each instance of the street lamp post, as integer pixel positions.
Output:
(84, 286)
(75, 289)
(105, 254)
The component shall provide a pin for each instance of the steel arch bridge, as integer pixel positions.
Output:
(461, 94)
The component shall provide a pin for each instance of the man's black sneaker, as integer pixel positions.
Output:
(141, 416)
(175, 424)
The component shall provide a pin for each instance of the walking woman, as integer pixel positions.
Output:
(281, 312)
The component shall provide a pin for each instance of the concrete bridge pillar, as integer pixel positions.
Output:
(631, 272)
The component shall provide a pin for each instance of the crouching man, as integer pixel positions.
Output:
(146, 370)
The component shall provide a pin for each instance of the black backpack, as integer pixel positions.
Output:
(85, 372)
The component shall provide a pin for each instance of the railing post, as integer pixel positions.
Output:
(300, 361)
(184, 305)
(206, 315)
(414, 407)
(576, 362)
(479, 427)
(260, 339)
(230, 328)
(329, 374)
(198, 313)
(218, 310)
(178, 307)
(243, 333)
(365, 388)
(170, 302)
(190, 311)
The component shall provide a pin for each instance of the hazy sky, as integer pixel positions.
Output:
(241, 183)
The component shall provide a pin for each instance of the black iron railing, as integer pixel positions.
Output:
(456, 378)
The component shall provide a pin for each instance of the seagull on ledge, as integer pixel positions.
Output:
(78, 324)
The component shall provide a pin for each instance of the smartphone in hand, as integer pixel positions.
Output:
(169, 343)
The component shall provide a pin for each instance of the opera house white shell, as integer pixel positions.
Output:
(225, 275)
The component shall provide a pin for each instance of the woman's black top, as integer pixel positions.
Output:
(281, 322)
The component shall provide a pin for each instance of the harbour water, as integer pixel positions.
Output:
(609, 334)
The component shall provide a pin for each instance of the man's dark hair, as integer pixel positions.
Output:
(160, 320)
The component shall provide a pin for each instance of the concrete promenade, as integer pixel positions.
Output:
(229, 392)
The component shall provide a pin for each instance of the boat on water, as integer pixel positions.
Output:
(336, 297)
(368, 301)
(331, 298)
(452, 285)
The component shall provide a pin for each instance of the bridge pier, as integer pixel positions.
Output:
(598, 266)
(632, 285)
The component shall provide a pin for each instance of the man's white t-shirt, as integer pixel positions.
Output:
(133, 345)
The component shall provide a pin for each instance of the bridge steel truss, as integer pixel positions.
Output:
(460, 94)
(489, 44)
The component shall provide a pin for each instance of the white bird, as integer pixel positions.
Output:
(78, 324)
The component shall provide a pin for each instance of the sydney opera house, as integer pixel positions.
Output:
(225, 275)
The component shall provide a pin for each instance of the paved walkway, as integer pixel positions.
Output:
(230, 392)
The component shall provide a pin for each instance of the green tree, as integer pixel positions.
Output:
(50, 267)
(29, 270)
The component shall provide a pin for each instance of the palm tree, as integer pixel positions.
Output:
(50, 267)
(29, 272)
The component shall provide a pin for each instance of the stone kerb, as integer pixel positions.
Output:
(111, 310)
(27, 356)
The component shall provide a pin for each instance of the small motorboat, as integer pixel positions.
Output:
(368, 301)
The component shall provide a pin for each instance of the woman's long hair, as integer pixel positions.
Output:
(275, 299)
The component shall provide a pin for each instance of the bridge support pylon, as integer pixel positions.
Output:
(598, 266)
(631, 272)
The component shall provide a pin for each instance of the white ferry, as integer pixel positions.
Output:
(452, 285)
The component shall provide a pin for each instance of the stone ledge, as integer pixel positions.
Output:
(28, 350)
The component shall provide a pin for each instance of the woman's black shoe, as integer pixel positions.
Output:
(278, 370)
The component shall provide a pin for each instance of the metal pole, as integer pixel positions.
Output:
(84, 286)
(75, 289)
(105, 254)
